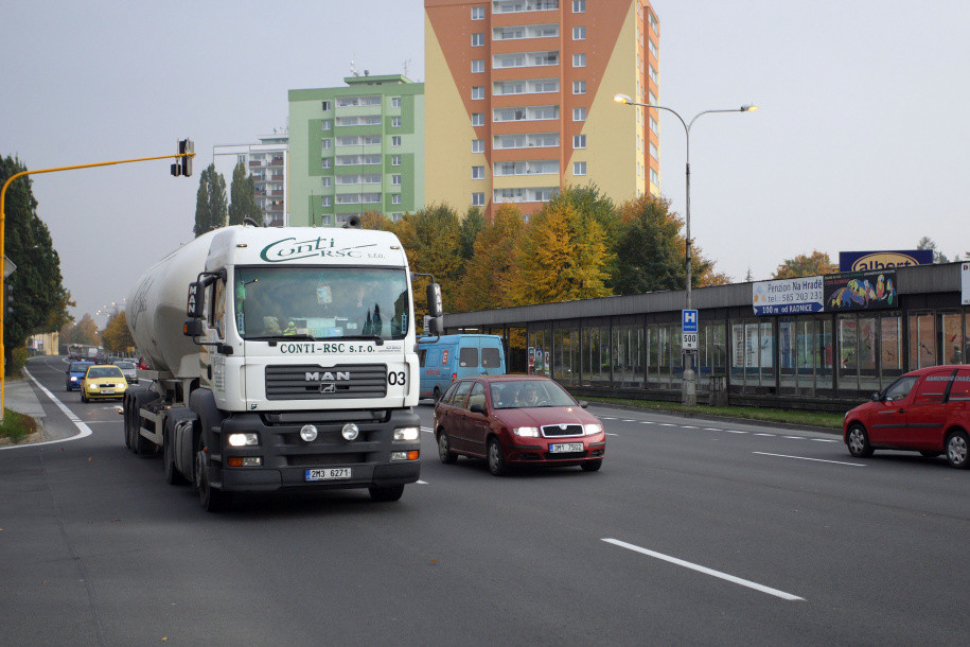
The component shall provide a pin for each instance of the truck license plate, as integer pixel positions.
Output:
(565, 448)
(328, 474)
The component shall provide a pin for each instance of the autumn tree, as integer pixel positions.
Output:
(812, 265)
(376, 220)
(432, 239)
(490, 277)
(471, 224)
(37, 297)
(210, 202)
(243, 194)
(562, 256)
(84, 331)
(116, 336)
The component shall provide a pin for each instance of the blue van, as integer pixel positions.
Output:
(451, 357)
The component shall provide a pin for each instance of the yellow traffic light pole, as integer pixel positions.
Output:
(3, 229)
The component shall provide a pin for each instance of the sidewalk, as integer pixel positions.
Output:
(20, 397)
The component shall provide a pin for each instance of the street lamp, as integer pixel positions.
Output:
(690, 385)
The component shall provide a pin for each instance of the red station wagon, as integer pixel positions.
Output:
(517, 419)
(926, 411)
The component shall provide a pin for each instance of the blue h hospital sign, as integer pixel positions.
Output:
(689, 328)
(689, 320)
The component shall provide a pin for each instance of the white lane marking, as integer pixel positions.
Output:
(735, 431)
(420, 482)
(83, 429)
(794, 437)
(609, 434)
(606, 418)
(705, 570)
(817, 460)
(772, 435)
(647, 422)
(688, 426)
(666, 424)
(626, 420)
(825, 440)
(427, 430)
(712, 429)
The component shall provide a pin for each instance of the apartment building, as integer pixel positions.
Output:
(520, 100)
(266, 162)
(356, 149)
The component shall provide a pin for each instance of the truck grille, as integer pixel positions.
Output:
(313, 382)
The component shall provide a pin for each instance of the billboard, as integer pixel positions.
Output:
(788, 296)
(872, 261)
(861, 291)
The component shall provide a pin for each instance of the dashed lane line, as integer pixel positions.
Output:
(815, 460)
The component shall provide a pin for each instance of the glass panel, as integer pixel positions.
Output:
(805, 353)
(468, 357)
(766, 343)
(823, 380)
(787, 348)
(922, 341)
(868, 375)
(848, 353)
(952, 338)
(891, 348)
(628, 355)
(539, 352)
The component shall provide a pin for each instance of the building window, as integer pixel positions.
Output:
(395, 198)
(325, 144)
(478, 172)
(478, 199)
(579, 60)
(326, 181)
(325, 162)
(325, 105)
(396, 179)
(579, 114)
(326, 125)
(395, 102)
(395, 160)
(579, 6)
(579, 168)
(653, 74)
(478, 13)
(478, 119)
(395, 122)
(326, 201)
(654, 127)
(478, 145)
(654, 178)
(653, 151)
(478, 66)
(653, 98)
(396, 140)
(579, 33)
(478, 92)
(478, 40)
(579, 87)
(652, 47)
(579, 141)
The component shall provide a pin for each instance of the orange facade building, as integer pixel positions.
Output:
(519, 98)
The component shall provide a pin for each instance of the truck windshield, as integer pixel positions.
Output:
(321, 302)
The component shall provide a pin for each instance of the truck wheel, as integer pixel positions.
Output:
(392, 493)
(135, 399)
(172, 475)
(212, 500)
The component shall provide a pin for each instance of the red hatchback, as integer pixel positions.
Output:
(926, 411)
(517, 419)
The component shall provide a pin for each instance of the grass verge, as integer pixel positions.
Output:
(16, 426)
(804, 418)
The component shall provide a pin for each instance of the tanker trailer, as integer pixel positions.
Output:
(282, 358)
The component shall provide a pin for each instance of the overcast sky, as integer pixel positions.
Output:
(861, 140)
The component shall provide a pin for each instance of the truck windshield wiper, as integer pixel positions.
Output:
(377, 339)
(279, 336)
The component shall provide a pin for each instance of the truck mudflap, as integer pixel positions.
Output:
(282, 451)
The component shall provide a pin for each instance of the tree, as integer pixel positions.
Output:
(473, 223)
(562, 256)
(243, 193)
(432, 239)
(376, 220)
(116, 336)
(938, 257)
(815, 264)
(490, 277)
(210, 202)
(85, 332)
(39, 300)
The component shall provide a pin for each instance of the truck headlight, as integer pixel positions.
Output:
(407, 433)
(530, 432)
(243, 440)
(308, 433)
(592, 429)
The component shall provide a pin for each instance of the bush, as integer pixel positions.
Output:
(18, 357)
(17, 426)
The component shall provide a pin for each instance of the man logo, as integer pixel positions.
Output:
(328, 387)
(326, 376)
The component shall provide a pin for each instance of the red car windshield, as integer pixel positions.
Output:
(524, 394)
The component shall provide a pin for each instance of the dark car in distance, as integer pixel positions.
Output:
(75, 373)
(927, 410)
(517, 420)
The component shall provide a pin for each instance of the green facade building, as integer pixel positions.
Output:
(356, 149)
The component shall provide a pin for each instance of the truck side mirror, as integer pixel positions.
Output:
(435, 307)
(435, 326)
(193, 328)
(195, 307)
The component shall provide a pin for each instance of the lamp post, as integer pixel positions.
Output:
(690, 384)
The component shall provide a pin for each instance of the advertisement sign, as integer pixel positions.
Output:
(888, 260)
(861, 291)
(788, 296)
(965, 284)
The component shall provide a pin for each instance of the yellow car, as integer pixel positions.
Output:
(102, 382)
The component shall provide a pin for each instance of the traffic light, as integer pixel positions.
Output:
(183, 165)
(8, 295)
